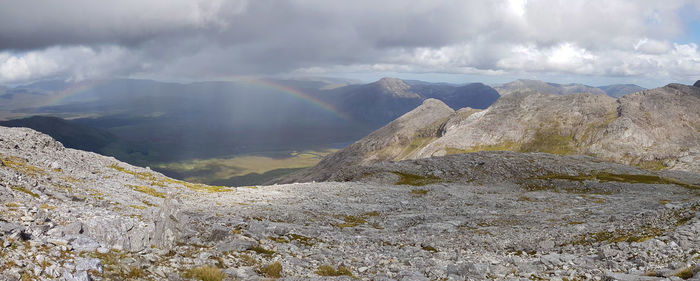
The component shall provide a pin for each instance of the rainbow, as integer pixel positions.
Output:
(252, 81)
(57, 97)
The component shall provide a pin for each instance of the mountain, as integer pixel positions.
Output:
(474, 95)
(376, 103)
(615, 90)
(70, 134)
(654, 129)
(381, 102)
(399, 139)
(545, 88)
(76, 215)
(619, 90)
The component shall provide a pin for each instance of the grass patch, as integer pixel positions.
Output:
(262, 251)
(630, 236)
(371, 214)
(304, 240)
(199, 186)
(205, 273)
(550, 141)
(327, 270)
(351, 221)
(147, 190)
(685, 273)
(140, 175)
(24, 190)
(415, 180)
(273, 270)
(654, 165)
(419, 192)
(221, 170)
(135, 272)
(429, 249)
(21, 165)
(625, 178)
(503, 146)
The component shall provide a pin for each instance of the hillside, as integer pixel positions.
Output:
(75, 215)
(654, 129)
(70, 134)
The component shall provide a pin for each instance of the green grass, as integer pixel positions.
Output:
(24, 190)
(685, 273)
(655, 165)
(262, 251)
(273, 270)
(21, 165)
(304, 240)
(205, 273)
(503, 146)
(351, 221)
(625, 178)
(327, 270)
(415, 180)
(242, 169)
(429, 249)
(550, 141)
(147, 190)
(419, 192)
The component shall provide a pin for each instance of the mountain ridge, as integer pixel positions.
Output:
(655, 129)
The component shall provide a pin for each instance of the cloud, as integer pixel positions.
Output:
(198, 39)
(72, 63)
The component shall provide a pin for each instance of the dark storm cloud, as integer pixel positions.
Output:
(212, 39)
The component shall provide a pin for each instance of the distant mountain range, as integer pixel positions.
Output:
(653, 129)
(616, 90)
(144, 122)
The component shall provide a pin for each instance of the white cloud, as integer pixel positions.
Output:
(201, 39)
(72, 63)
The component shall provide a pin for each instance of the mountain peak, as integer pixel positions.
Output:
(395, 87)
(697, 84)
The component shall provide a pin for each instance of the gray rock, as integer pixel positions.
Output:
(546, 245)
(218, 233)
(697, 84)
(82, 243)
(85, 264)
(237, 245)
(9, 227)
(166, 230)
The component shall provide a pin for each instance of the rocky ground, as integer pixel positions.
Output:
(73, 215)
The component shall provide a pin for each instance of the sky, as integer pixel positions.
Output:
(647, 42)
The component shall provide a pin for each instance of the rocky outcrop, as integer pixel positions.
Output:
(697, 84)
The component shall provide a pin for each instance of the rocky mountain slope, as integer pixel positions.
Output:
(70, 134)
(653, 129)
(73, 215)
